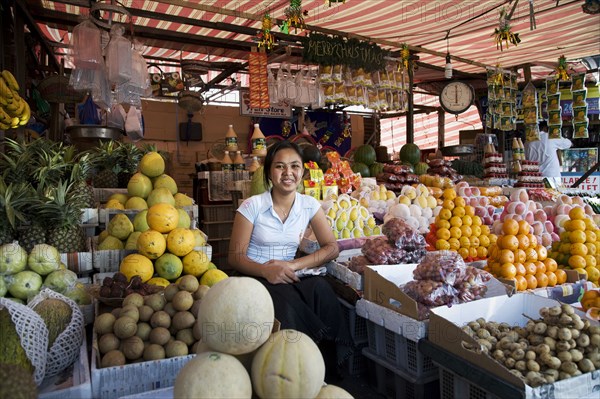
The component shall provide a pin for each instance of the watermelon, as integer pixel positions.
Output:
(365, 154)
(311, 153)
(375, 169)
(421, 168)
(410, 153)
(359, 167)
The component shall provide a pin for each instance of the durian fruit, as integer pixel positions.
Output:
(16, 383)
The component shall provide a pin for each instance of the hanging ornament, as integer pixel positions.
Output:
(498, 77)
(561, 68)
(334, 1)
(404, 55)
(503, 32)
(294, 16)
(265, 37)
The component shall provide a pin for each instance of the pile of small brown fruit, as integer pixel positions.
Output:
(557, 346)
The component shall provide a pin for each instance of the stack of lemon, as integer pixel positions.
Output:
(518, 256)
(348, 219)
(459, 229)
(579, 245)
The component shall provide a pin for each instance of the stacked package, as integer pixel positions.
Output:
(494, 166)
(394, 177)
(443, 168)
(443, 278)
(530, 176)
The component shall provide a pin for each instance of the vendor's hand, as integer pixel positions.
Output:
(279, 272)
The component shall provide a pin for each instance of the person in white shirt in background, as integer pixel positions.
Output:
(544, 151)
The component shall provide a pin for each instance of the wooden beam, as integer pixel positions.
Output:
(35, 29)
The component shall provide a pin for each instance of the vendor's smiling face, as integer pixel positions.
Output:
(286, 170)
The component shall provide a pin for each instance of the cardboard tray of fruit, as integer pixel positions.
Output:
(102, 295)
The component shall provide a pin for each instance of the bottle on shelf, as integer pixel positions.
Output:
(238, 161)
(521, 150)
(254, 165)
(259, 142)
(227, 163)
(231, 139)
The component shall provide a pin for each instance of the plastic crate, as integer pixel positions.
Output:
(453, 386)
(164, 393)
(357, 325)
(217, 213)
(394, 383)
(217, 230)
(400, 351)
(356, 364)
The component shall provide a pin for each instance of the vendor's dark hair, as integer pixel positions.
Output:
(543, 125)
(280, 145)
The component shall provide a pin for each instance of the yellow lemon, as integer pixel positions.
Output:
(454, 244)
(577, 213)
(577, 261)
(212, 276)
(442, 224)
(455, 221)
(195, 263)
(442, 245)
(442, 234)
(445, 214)
(137, 265)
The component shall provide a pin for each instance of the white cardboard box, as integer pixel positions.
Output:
(342, 273)
(445, 330)
(79, 262)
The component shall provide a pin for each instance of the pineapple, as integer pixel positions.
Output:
(129, 158)
(62, 211)
(106, 157)
(13, 200)
(82, 167)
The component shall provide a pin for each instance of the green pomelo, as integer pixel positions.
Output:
(184, 219)
(120, 197)
(136, 203)
(132, 240)
(24, 285)
(182, 199)
(165, 181)
(103, 234)
(120, 226)
(13, 258)
(152, 164)
(61, 281)
(168, 266)
(200, 238)
(80, 295)
(160, 195)
(111, 243)
(139, 221)
(3, 287)
(43, 259)
(139, 185)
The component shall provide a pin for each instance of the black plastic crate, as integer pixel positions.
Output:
(357, 324)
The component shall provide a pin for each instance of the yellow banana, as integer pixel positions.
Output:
(10, 80)
(4, 117)
(4, 126)
(3, 101)
(21, 108)
(24, 118)
(12, 108)
(14, 123)
(15, 94)
(5, 90)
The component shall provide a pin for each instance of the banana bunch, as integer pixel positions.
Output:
(14, 111)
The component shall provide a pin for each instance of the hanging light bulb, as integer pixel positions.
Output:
(448, 68)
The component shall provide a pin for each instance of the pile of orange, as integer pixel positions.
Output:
(457, 228)
(517, 256)
(579, 245)
(590, 299)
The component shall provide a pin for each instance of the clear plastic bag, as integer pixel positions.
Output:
(118, 56)
(87, 49)
(379, 251)
(431, 293)
(444, 266)
(402, 235)
(358, 263)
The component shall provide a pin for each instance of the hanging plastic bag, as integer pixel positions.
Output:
(89, 113)
(87, 50)
(116, 117)
(118, 56)
(272, 84)
(133, 124)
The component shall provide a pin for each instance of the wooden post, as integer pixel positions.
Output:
(410, 123)
(441, 128)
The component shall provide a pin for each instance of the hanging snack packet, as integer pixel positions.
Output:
(578, 81)
(580, 113)
(325, 73)
(579, 97)
(337, 75)
(530, 115)
(555, 131)
(554, 116)
(580, 130)
(553, 101)
(551, 85)
(532, 132)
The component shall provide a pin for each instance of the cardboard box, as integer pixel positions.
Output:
(79, 262)
(445, 330)
(382, 287)
(342, 273)
(89, 216)
(569, 292)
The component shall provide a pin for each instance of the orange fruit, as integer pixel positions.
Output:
(475, 230)
(474, 242)
(468, 221)
(582, 271)
(590, 261)
(564, 236)
(441, 245)
(484, 241)
(561, 276)
(530, 268)
(455, 221)
(542, 252)
(469, 211)
(508, 270)
(575, 225)
(551, 279)
(565, 248)
(590, 295)
(476, 221)
(590, 236)
(592, 248)
(523, 241)
(521, 283)
(510, 226)
(524, 227)
(539, 267)
(531, 281)
(531, 254)
(460, 201)
(485, 229)
(454, 244)
(593, 273)
(509, 241)
(493, 251)
(579, 249)
(520, 269)
(533, 242)
(455, 232)
(449, 194)
(551, 265)
(577, 236)
(448, 204)
(466, 231)
(458, 211)
(482, 252)
(472, 252)
(463, 252)
(464, 242)
(577, 213)
(442, 234)
(542, 279)
(577, 261)
(445, 214)
(507, 256)
(520, 256)
(442, 224)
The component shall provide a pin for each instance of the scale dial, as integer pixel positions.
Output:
(457, 97)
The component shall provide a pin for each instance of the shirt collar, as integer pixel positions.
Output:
(268, 203)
